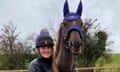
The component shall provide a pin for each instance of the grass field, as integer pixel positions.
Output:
(115, 61)
(103, 66)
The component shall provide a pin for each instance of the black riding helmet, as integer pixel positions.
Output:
(44, 39)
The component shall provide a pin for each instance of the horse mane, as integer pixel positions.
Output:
(57, 47)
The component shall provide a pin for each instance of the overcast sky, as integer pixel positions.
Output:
(31, 15)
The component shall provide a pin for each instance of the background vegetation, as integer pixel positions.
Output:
(114, 62)
(16, 53)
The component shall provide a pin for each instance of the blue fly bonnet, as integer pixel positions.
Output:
(70, 16)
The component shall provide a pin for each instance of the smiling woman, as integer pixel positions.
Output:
(44, 46)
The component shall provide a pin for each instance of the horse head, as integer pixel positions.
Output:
(71, 29)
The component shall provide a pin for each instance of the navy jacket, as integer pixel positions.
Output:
(40, 65)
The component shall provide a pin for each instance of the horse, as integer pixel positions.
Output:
(70, 39)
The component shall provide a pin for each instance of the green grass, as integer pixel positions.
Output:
(115, 61)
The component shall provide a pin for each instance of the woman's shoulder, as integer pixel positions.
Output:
(34, 61)
(34, 66)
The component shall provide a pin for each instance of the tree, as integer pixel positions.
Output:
(29, 46)
(29, 43)
(95, 42)
(11, 47)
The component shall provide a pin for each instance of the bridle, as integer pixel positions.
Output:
(65, 34)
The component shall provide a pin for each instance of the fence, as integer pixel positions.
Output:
(95, 69)
(100, 69)
(13, 70)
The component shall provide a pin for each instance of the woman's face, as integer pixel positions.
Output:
(45, 51)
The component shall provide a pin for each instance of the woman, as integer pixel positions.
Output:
(44, 46)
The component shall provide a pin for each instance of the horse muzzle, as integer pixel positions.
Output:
(74, 46)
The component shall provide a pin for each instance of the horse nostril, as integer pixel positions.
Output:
(76, 44)
(68, 44)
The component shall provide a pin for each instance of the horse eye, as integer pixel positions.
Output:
(64, 24)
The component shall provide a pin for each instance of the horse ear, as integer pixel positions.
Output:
(66, 8)
(79, 9)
